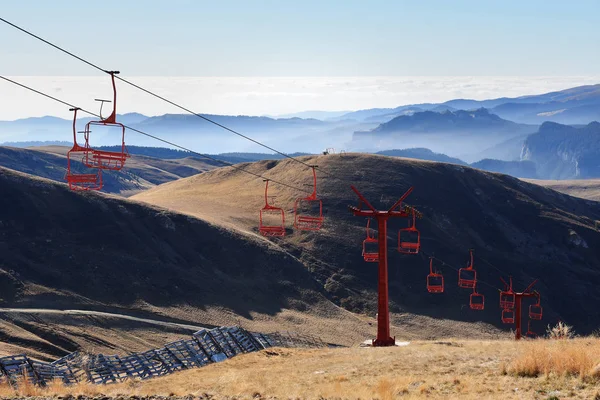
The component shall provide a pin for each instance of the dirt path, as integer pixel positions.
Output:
(100, 314)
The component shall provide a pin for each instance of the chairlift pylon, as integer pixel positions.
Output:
(435, 280)
(467, 277)
(370, 250)
(409, 239)
(81, 182)
(308, 211)
(271, 212)
(102, 159)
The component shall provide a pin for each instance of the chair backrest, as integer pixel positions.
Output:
(271, 220)
(467, 278)
(476, 301)
(435, 280)
(508, 316)
(535, 311)
(507, 300)
(370, 250)
(81, 181)
(308, 211)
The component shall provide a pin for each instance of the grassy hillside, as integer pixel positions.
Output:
(449, 369)
(140, 173)
(524, 230)
(65, 250)
(584, 188)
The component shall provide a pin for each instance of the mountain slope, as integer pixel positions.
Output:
(583, 188)
(140, 173)
(421, 154)
(525, 230)
(65, 250)
(519, 169)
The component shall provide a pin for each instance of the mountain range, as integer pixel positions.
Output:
(578, 105)
(469, 130)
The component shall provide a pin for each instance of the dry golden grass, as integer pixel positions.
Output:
(426, 369)
(579, 358)
(584, 188)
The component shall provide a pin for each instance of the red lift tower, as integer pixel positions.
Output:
(511, 304)
(383, 316)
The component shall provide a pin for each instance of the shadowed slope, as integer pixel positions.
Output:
(65, 250)
(524, 230)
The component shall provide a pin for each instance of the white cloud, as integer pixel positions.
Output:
(264, 95)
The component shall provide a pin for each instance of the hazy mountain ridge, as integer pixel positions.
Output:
(564, 152)
(449, 121)
(578, 105)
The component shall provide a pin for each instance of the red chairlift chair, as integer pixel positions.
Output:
(91, 181)
(409, 239)
(435, 280)
(111, 160)
(476, 300)
(370, 250)
(467, 277)
(507, 297)
(308, 211)
(268, 214)
(508, 316)
(535, 310)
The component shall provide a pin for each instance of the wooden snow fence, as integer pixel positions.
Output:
(205, 347)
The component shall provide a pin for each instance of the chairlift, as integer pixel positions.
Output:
(409, 239)
(271, 218)
(508, 316)
(308, 211)
(535, 310)
(507, 297)
(370, 250)
(111, 160)
(476, 300)
(80, 182)
(435, 280)
(467, 277)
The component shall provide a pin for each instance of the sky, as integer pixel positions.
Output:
(258, 44)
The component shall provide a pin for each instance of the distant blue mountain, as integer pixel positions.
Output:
(480, 120)
(577, 105)
(564, 152)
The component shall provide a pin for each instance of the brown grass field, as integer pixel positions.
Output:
(584, 188)
(450, 369)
